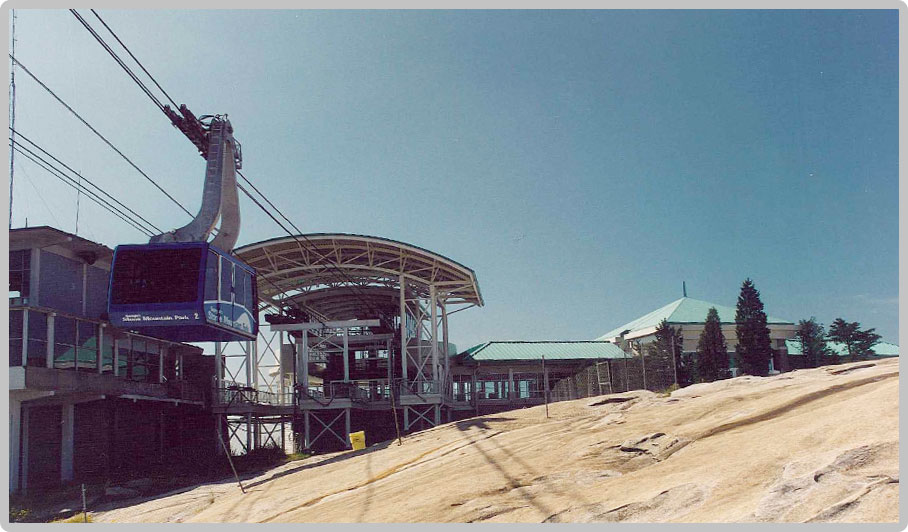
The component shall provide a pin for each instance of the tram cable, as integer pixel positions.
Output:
(102, 137)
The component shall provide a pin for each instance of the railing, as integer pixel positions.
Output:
(234, 394)
(367, 390)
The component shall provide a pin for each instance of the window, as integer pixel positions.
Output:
(64, 343)
(87, 347)
(212, 268)
(138, 358)
(37, 339)
(15, 337)
(147, 276)
(124, 361)
(226, 314)
(19, 272)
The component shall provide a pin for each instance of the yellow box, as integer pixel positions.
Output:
(358, 440)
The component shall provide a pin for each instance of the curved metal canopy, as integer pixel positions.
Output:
(346, 276)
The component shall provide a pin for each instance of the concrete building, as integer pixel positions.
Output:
(88, 401)
(690, 315)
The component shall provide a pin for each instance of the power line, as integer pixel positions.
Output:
(135, 59)
(102, 137)
(161, 107)
(117, 59)
(48, 167)
(118, 202)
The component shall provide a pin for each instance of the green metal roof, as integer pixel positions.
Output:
(585, 350)
(684, 310)
(882, 349)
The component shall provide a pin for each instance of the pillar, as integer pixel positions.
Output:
(15, 435)
(23, 458)
(433, 301)
(346, 358)
(50, 341)
(306, 442)
(444, 343)
(511, 394)
(403, 330)
(347, 428)
(303, 367)
(66, 449)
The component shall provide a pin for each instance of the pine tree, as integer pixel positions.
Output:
(712, 352)
(754, 349)
(812, 337)
(858, 342)
(668, 344)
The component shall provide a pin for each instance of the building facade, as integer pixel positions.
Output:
(88, 401)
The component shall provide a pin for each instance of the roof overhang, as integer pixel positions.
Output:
(335, 274)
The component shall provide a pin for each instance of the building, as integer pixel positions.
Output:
(690, 315)
(88, 401)
(797, 360)
(496, 376)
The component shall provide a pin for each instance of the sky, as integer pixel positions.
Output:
(582, 163)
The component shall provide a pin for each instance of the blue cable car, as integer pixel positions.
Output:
(183, 291)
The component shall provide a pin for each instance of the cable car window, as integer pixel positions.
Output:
(211, 276)
(249, 302)
(239, 288)
(143, 276)
(226, 280)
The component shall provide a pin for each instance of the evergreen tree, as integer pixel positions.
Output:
(812, 337)
(712, 352)
(754, 349)
(858, 342)
(668, 344)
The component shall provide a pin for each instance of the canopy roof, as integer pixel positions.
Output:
(684, 310)
(338, 275)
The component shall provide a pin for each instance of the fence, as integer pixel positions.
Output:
(615, 376)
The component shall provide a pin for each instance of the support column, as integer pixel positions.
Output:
(66, 449)
(116, 357)
(218, 377)
(15, 435)
(304, 367)
(23, 458)
(219, 427)
(248, 432)
(25, 314)
(403, 331)
(437, 415)
(100, 358)
(444, 344)
(511, 384)
(50, 341)
(347, 428)
(249, 362)
(436, 368)
(306, 442)
(346, 359)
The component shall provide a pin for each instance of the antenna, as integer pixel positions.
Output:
(684, 288)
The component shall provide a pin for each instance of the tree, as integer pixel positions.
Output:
(667, 347)
(858, 342)
(712, 352)
(812, 337)
(754, 349)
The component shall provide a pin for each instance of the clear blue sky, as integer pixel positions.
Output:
(582, 163)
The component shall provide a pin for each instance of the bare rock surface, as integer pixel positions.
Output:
(810, 445)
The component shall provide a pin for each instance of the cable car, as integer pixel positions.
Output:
(183, 291)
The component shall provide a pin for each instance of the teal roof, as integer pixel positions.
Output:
(684, 310)
(881, 349)
(497, 351)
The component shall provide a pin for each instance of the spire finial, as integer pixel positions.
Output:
(684, 288)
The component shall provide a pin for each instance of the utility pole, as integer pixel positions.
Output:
(12, 113)
(545, 384)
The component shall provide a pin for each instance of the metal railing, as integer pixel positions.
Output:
(236, 394)
(367, 390)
